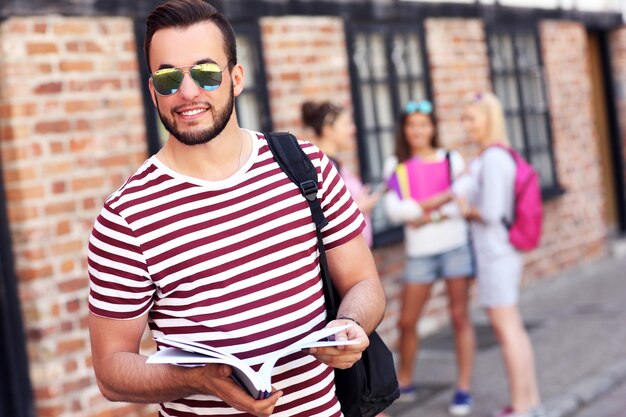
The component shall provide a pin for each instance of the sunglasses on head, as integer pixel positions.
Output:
(167, 81)
(422, 106)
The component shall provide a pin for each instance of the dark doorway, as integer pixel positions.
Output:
(15, 390)
(607, 130)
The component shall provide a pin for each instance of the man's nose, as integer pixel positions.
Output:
(188, 87)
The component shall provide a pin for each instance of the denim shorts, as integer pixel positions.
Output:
(455, 263)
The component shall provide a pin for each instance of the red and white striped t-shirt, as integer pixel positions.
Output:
(230, 263)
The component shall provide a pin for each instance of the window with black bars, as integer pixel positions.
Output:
(518, 80)
(387, 70)
(252, 105)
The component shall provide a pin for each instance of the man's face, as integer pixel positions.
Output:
(192, 115)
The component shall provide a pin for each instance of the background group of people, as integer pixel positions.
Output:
(454, 231)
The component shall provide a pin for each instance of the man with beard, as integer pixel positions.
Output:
(210, 241)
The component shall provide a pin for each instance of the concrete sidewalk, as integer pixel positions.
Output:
(577, 323)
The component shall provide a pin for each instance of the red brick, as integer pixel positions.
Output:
(49, 410)
(68, 266)
(56, 126)
(64, 248)
(105, 84)
(59, 187)
(35, 254)
(49, 88)
(85, 183)
(63, 227)
(63, 207)
(40, 48)
(70, 346)
(76, 66)
(61, 167)
(19, 174)
(81, 106)
(73, 306)
(73, 285)
(89, 203)
(57, 147)
(33, 273)
(72, 27)
(40, 27)
(21, 214)
(25, 193)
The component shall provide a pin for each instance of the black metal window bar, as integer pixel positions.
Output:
(388, 69)
(518, 80)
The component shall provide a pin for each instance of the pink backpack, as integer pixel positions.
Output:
(525, 228)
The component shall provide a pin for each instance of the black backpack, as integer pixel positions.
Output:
(370, 385)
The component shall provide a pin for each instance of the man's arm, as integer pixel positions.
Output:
(354, 274)
(123, 375)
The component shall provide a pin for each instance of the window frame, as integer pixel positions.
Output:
(252, 31)
(390, 233)
(525, 109)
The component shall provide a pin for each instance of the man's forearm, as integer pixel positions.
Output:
(125, 376)
(365, 303)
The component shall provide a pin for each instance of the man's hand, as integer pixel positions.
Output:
(215, 379)
(343, 357)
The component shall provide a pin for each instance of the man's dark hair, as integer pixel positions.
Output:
(184, 13)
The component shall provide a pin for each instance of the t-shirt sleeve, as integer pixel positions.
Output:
(498, 175)
(457, 164)
(345, 221)
(120, 285)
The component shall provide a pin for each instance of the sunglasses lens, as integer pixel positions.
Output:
(207, 76)
(167, 81)
(423, 106)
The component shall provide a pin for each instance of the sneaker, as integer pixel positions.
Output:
(461, 403)
(504, 412)
(536, 411)
(408, 393)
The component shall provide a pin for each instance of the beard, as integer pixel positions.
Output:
(221, 116)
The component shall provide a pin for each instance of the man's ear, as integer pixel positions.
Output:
(237, 75)
(152, 92)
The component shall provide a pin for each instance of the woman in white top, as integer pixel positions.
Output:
(486, 197)
(436, 244)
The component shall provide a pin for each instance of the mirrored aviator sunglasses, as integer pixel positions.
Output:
(167, 81)
(422, 106)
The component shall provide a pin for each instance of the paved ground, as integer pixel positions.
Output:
(613, 404)
(577, 323)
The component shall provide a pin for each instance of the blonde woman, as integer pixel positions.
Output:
(485, 196)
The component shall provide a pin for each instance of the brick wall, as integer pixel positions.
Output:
(305, 59)
(617, 46)
(459, 64)
(71, 120)
(71, 130)
(575, 230)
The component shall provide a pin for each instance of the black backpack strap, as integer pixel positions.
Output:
(449, 162)
(299, 169)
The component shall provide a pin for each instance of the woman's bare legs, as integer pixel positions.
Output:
(518, 356)
(464, 337)
(414, 297)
